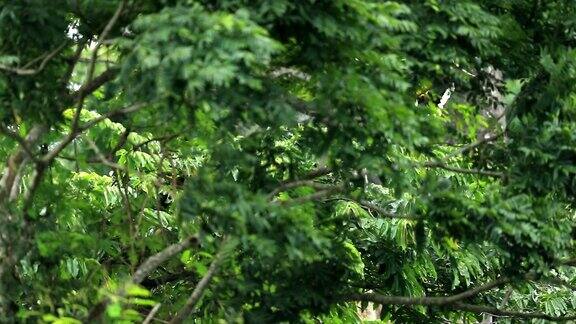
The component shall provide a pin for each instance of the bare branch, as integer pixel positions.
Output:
(47, 159)
(444, 166)
(143, 271)
(101, 156)
(15, 160)
(95, 83)
(319, 172)
(121, 142)
(130, 109)
(29, 195)
(82, 95)
(315, 196)
(471, 146)
(73, 61)
(200, 287)
(157, 259)
(384, 212)
(102, 38)
(500, 312)
(427, 301)
(454, 301)
(298, 183)
(15, 192)
(81, 128)
(156, 139)
(152, 313)
(22, 141)
(26, 71)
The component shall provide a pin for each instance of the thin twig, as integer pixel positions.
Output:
(444, 166)
(471, 146)
(101, 156)
(312, 197)
(298, 183)
(156, 139)
(384, 212)
(121, 142)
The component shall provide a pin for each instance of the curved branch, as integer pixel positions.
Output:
(26, 71)
(444, 166)
(95, 83)
(157, 259)
(370, 206)
(501, 312)
(81, 128)
(188, 307)
(152, 313)
(142, 272)
(471, 146)
(312, 197)
(427, 301)
(16, 159)
(296, 184)
(91, 67)
(21, 140)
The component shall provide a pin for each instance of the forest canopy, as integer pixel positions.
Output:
(312, 161)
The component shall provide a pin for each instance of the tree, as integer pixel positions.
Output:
(287, 161)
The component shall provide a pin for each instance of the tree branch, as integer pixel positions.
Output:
(82, 95)
(143, 271)
(95, 83)
(152, 313)
(22, 141)
(567, 262)
(72, 64)
(47, 159)
(444, 166)
(427, 301)
(188, 307)
(26, 71)
(15, 160)
(81, 128)
(454, 302)
(102, 38)
(315, 196)
(103, 158)
(161, 139)
(500, 312)
(471, 146)
(383, 212)
(298, 183)
(319, 172)
(157, 259)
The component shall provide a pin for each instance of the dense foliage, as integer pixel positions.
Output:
(287, 161)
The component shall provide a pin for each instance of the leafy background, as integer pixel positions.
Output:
(280, 161)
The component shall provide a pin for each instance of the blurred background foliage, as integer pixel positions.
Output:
(322, 154)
